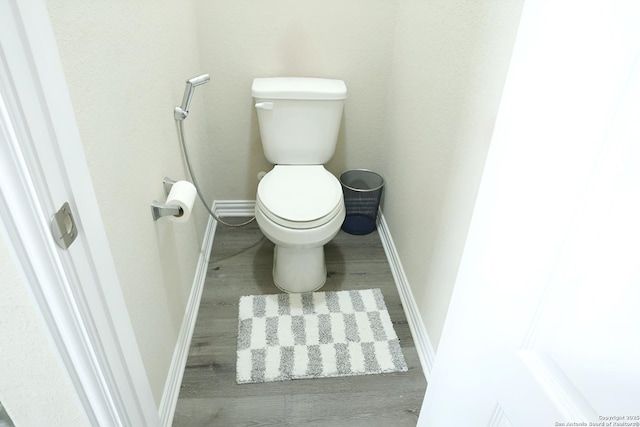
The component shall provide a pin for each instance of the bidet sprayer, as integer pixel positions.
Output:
(181, 112)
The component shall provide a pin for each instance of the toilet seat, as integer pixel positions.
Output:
(299, 196)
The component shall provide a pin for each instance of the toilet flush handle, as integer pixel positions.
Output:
(265, 105)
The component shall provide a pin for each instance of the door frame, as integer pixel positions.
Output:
(42, 165)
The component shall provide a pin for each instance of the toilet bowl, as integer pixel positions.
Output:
(300, 208)
(299, 204)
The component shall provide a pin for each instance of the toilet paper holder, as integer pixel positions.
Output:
(159, 210)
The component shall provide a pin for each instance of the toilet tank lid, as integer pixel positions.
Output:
(310, 88)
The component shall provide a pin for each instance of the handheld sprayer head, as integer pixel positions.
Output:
(181, 112)
(200, 80)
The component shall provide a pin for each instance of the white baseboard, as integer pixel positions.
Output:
(224, 208)
(418, 331)
(169, 400)
(231, 208)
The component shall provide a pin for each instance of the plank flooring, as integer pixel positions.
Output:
(240, 264)
(5, 420)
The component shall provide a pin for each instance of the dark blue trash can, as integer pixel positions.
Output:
(362, 191)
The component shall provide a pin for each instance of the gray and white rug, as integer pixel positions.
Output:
(315, 335)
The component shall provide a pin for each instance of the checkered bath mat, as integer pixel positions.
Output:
(314, 335)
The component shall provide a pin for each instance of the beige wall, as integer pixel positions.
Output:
(34, 387)
(125, 65)
(424, 80)
(240, 40)
(449, 65)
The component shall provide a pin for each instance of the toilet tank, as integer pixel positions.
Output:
(299, 118)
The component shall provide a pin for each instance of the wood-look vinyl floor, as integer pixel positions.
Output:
(240, 264)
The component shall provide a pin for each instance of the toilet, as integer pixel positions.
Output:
(299, 204)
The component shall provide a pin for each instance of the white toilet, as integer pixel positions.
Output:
(299, 205)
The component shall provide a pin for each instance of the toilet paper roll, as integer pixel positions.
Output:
(183, 194)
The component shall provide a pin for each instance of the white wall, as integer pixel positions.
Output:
(34, 387)
(125, 65)
(449, 65)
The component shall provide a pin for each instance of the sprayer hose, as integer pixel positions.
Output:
(195, 182)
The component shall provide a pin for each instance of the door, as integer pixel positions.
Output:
(544, 323)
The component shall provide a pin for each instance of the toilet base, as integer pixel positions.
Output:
(299, 270)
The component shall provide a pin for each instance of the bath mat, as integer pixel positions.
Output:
(315, 335)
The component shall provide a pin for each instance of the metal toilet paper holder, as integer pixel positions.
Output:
(159, 210)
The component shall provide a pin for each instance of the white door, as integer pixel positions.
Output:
(544, 323)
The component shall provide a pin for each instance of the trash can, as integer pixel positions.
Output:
(362, 190)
